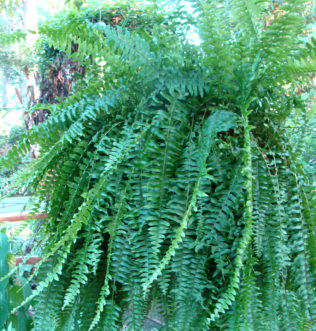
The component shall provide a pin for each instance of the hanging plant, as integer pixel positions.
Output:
(172, 182)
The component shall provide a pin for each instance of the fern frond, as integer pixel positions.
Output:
(218, 122)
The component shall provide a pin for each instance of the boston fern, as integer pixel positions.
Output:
(169, 176)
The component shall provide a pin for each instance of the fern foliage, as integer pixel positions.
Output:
(168, 176)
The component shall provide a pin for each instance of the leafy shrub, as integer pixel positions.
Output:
(12, 292)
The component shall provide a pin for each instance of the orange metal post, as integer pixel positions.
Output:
(17, 217)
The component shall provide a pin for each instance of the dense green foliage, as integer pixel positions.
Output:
(7, 142)
(172, 179)
(12, 291)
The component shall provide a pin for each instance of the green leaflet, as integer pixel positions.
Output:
(219, 121)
